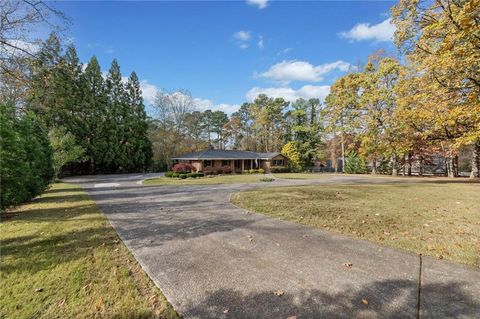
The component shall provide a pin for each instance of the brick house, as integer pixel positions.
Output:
(239, 161)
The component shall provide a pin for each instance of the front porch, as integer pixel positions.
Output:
(238, 166)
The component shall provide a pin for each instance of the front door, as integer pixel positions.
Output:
(238, 166)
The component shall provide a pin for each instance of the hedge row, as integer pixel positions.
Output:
(256, 171)
(279, 169)
(26, 167)
(183, 175)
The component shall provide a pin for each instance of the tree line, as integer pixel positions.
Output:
(60, 116)
(104, 113)
(264, 125)
(401, 114)
(80, 120)
(385, 116)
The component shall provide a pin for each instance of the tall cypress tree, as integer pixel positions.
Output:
(139, 147)
(94, 116)
(70, 91)
(117, 118)
(42, 91)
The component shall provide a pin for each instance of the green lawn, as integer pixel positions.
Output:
(62, 245)
(207, 180)
(439, 219)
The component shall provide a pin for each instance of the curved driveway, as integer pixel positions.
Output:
(214, 260)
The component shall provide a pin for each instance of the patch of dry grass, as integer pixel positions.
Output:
(301, 175)
(207, 180)
(437, 219)
(62, 245)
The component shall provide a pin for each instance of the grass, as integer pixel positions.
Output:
(301, 175)
(62, 245)
(322, 175)
(218, 179)
(437, 219)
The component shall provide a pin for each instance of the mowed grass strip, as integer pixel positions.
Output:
(301, 175)
(437, 219)
(207, 180)
(60, 258)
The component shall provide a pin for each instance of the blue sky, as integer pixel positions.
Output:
(225, 53)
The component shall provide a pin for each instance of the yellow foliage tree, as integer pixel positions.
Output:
(290, 150)
(439, 94)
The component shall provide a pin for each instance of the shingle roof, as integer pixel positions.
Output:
(224, 154)
(268, 155)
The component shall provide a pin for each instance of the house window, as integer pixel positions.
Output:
(207, 163)
(278, 162)
(225, 163)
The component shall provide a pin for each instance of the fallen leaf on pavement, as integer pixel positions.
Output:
(348, 265)
(365, 301)
(278, 293)
(250, 238)
(225, 311)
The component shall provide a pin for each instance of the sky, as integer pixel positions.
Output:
(227, 52)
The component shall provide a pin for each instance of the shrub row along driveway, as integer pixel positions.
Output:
(214, 260)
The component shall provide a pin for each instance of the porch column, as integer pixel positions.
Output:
(243, 165)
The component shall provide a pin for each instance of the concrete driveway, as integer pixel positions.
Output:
(214, 260)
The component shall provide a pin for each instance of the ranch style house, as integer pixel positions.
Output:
(239, 161)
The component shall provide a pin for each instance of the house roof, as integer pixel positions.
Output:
(224, 155)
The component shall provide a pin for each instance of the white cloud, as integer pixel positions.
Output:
(242, 35)
(227, 108)
(260, 43)
(284, 51)
(261, 4)
(242, 38)
(289, 94)
(380, 32)
(206, 104)
(287, 71)
(149, 91)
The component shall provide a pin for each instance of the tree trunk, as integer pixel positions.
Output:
(420, 167)
(475, 160)
(92, 166)
(374, 166)
(409, 162)
(333, 153)
(450, 164)
(455, 166)
(343, 154)
(394, 165)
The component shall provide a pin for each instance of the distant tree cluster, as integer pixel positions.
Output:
(178, 127)
(264, 125)
(397, 115)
